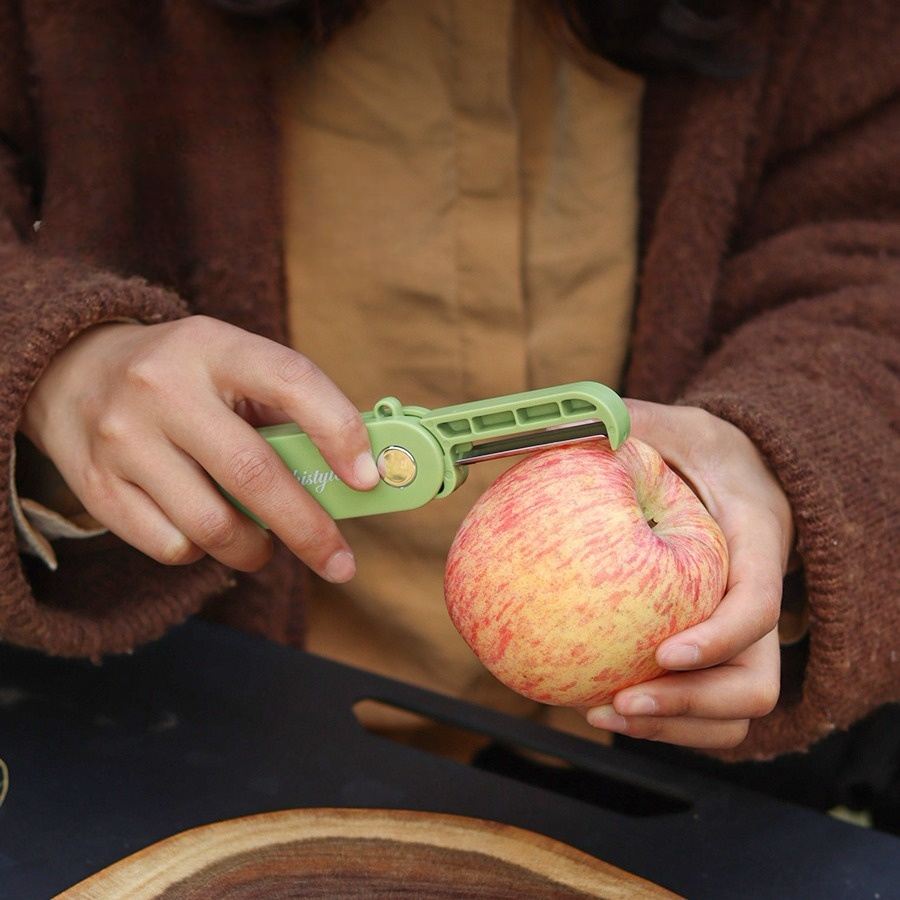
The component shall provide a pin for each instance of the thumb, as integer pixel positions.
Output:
(671, 430)
(681, 435)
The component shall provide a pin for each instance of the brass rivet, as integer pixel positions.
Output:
(396, 466)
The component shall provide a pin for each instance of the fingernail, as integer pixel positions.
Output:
(365, 471)
(637, 705)
(607, 718)
(679, 656)
(340, 568)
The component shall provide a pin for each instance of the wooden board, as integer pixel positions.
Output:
(360, 853)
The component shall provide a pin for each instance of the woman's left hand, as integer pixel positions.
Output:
(725, 671)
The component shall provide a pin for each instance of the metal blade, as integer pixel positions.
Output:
(533, 440)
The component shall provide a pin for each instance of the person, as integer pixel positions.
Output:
(217, 215)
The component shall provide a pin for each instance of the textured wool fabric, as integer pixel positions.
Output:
(144, 138)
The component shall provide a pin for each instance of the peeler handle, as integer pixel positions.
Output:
(410, 462)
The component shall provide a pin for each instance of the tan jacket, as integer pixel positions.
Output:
(143, 138)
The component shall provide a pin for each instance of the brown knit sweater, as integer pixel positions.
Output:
(142, 136)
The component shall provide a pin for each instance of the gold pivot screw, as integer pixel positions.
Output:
(396, 466)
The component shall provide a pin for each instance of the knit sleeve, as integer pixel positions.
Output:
(106, 597)
(815, 385)
(808, 363)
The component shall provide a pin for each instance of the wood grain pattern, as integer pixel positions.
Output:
(319, 853)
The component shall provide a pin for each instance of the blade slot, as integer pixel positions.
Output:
(541, 412)
(495, 421)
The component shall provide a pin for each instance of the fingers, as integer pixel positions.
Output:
(165, 505)
(752, 603)
(251, 368)
(141, 523)
(253, 473)
(724, 672)
(178, 518)
(244, 465)
(746, 687)
(708, 709)
(696, 734)
(731, 478)
(728, 666)
(141, 422)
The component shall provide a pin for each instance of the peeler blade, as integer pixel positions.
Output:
(516, 445)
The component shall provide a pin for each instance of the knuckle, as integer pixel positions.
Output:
(216, 529)
(689, 706)
(766, 611)
(99, 491)
(314, 539)
(152, 370)
(197, 330)
(647, 729)
(295, 371)
(146, 372)
(348, 425)
(251, 472)
(148, 383)
(343, 427)
(770, 594)
(112, 427)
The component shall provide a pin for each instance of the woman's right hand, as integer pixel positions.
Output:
(140, 420)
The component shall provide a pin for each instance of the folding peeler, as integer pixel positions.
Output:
(423, 454)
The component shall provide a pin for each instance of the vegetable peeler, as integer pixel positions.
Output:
(423, 454)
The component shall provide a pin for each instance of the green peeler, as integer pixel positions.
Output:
(422, 454)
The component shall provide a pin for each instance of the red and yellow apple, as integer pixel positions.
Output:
(572, 568)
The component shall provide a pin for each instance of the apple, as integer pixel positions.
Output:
(576, 563)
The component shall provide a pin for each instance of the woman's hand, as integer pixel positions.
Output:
(140, 419)
(725, 671)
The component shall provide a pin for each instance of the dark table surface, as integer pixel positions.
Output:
(208, 724)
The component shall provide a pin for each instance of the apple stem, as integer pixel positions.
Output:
(652, 522)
